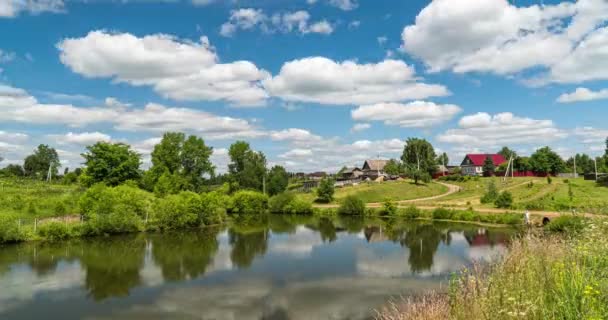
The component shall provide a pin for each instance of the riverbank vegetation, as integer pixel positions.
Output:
(557, 274)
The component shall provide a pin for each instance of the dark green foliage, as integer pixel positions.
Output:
(603, 180)
(546, 161)
(60, 208)
(31, 209)
(412, 212)
(55, 231)
(277, 182)
(38, 163)
(504, 200)
(443, 159)
(249, 202)
(110, 163)
(549, 180)
(491, 194)
(12, 170)
(418, 175)
(389, 208)
(393, 167)
(299, 206)
(181, 163)
(352, 205)
(178, 211)
(70, 178)
(507, 153)
(567, 224)
(214, 207)
(247, 167)
(277, 203)
(325, 191)
(488, 167)
(442, 214)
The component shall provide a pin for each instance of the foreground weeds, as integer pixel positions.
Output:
(541, 277)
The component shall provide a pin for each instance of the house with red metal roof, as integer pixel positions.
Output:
(472, 165)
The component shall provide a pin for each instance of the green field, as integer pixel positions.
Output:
(28, 198)
(371, 192)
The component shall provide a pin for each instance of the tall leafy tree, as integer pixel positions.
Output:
(584, 164)
(278, 179)
(182, 163)
(13, 170)
(393, 167)
(247, 167)
(110, 163)
(443, 159)
(419, 154)
(488, 167)
(507, 153)
(38, 163)
(545, 161)
(522, 164)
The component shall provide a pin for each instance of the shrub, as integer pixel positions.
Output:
(352, 205)
(491, 194)
(11, 231)
(60, 209)
(603, 180)
(566, 224)
(412, 212)
(442, 214)
(178, 211)
(31, 209)
(468, 215)
(249, 202)
(214, 206)
(504, 200)
(325, 191)
(299, 206)
(389, 208)
(278, 203)
(55, 231)
(549, 180)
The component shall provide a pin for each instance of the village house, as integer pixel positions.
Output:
(472, 165)
(352, 173)
(374, 168)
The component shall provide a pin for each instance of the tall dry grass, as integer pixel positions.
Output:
(541, 277)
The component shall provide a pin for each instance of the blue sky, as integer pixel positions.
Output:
(315, 85)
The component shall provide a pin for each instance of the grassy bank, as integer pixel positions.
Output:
(370, 192)
(27, 198)
(543, 276)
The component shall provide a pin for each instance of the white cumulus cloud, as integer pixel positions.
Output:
(416, 114)
(296, 21)
(583, 94)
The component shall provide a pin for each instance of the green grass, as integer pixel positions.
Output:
(374, 192)
(473, 189)
(25, 198)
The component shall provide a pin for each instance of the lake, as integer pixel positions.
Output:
(271, 267)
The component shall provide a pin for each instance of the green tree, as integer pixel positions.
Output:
(522, 164)
(393, 167)
(504, 200)
(38, 163)
(247, 167)
(186, 160)
(278, 179)
(546, 161)
(418, 175)
(584, 164)
(507, 153)
(488, 167)
(419, 154)
(443, 159)
(325, 191)
(111, 163)
(13, 170)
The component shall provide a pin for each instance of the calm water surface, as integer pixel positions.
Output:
(269, 268)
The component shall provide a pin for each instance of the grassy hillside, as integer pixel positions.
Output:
(390, 190)
(27, 198)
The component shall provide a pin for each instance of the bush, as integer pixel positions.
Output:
(55, 231)
(442, 214)
(278, 203)
(491, 194)
(412, 212)
(60, 209)
(549, 180)
(566, 224)
(214, 206)
(178, 211)
(352, 205)
(603, 180)
(468, 215)
(249, 202)
(389, 208)
(11, 231)
(114, 209)
(325, 191)
(504, 200)
(299, 206)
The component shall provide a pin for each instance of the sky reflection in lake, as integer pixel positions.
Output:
(270, 268)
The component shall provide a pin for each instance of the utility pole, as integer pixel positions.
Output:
(595, 163)
(575, 174)
(49, 174)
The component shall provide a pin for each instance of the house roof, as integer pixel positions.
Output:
(375, 165)
(479, 159)
(352, 169)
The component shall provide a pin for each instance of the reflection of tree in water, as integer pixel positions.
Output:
(327, 230)
(112, 265)
(352, 224)
(282, 224)
(246, 246)
(185, 255)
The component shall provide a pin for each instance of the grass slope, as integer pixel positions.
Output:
(382, 191)
(27, 198)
